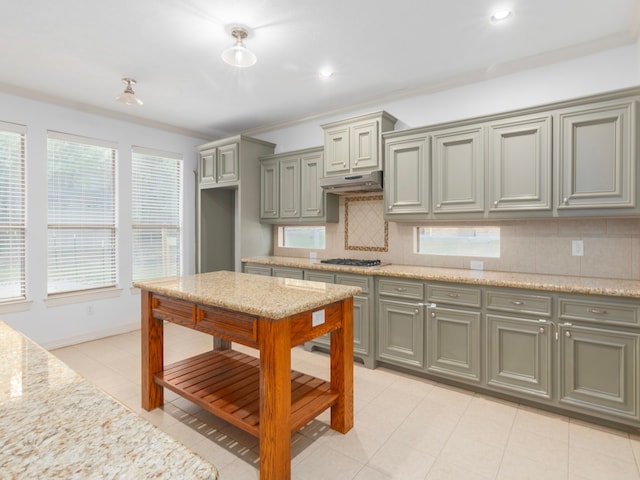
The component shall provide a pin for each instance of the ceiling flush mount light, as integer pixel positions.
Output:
(500, 15)
(326, 73)
(239, 55)
(128, 97)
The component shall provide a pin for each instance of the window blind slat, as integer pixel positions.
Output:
(156, 214)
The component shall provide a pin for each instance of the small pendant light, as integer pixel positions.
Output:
(128, 97)
(239, 55)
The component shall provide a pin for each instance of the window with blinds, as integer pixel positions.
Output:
(12, 212)
(82, 213)
(156, 214)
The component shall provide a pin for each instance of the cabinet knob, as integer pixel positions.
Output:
(417, 311)
(344, 164)
(541, 329)
(295, 212)
(495, 204)
(433, 314)
(567, 333)
(439, 205)
(565, 200)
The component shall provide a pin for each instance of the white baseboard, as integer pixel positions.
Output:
(94, 335)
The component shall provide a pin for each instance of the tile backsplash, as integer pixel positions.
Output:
(611, 246)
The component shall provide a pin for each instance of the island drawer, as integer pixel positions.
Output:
(354, 281)
(229, 325)
(173, 310)
(454, 295)
(622, 312)
(401, 288)
(519, 302)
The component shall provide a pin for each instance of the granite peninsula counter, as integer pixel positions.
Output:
(262, 396)
(54, 424)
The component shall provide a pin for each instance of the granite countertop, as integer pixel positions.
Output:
(549, 283)
(268, 297)
(57, 425)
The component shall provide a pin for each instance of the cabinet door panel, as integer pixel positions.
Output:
(364, 146)
(520, 163)
(290, 188)
(227, 163)
(599, 370)
(407, 176)
(597, 157)
(453, 343)
(519, 355)
(312, 195)
(400, 333)
(269, 189)
(458, 169)
(336, 151)
(208, 166)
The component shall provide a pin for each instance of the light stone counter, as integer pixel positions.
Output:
(56, 425)
(549, 283)
(268, 297)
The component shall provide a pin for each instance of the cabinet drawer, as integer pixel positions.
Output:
(284, 272)
(258, 270)
(621, 312)
(468, 297)
(354, 281)
(519, 302)
(173, 310)
(314, 276)
(401, 289)
(228, 325)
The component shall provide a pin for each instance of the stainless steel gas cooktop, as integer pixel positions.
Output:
(352, 262)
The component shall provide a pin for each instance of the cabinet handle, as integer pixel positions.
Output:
(401, 289)
(517, 302)
(596, 311)
(453, 295)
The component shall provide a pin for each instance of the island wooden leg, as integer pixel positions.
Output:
(275, 399)
(342, 370)
(152, 354)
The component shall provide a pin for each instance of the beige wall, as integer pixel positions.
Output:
(611, 246)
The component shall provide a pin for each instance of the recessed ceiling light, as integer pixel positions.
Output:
(500, 15)
(326, 73)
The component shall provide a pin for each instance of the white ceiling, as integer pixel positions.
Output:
(75, 52)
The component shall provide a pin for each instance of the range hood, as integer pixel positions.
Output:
(354, 182)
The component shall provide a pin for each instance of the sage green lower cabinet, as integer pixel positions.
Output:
(400, 333)
(453, 343)
(287, 272)
(519, 355)
(599, 371)
(362, 315)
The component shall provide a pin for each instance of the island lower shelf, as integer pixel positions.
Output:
(226, 383)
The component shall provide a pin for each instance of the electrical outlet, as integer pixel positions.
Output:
(90, 310)
(577, 248)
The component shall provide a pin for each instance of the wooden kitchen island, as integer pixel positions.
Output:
(261, 396)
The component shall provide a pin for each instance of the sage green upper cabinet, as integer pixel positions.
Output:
(218, 165)
(407, 175)
(355, 145)
(311, 196)
(269, 189)
(597, 157)
(520, 164)
(290, 190)
(458, 170)
(290, 187)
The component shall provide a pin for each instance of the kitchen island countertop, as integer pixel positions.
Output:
(268, 297)
(55, 424)
(550, 283)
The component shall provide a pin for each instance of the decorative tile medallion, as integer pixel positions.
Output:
(365, 228)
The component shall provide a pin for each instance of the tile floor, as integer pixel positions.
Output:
(405, 427)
